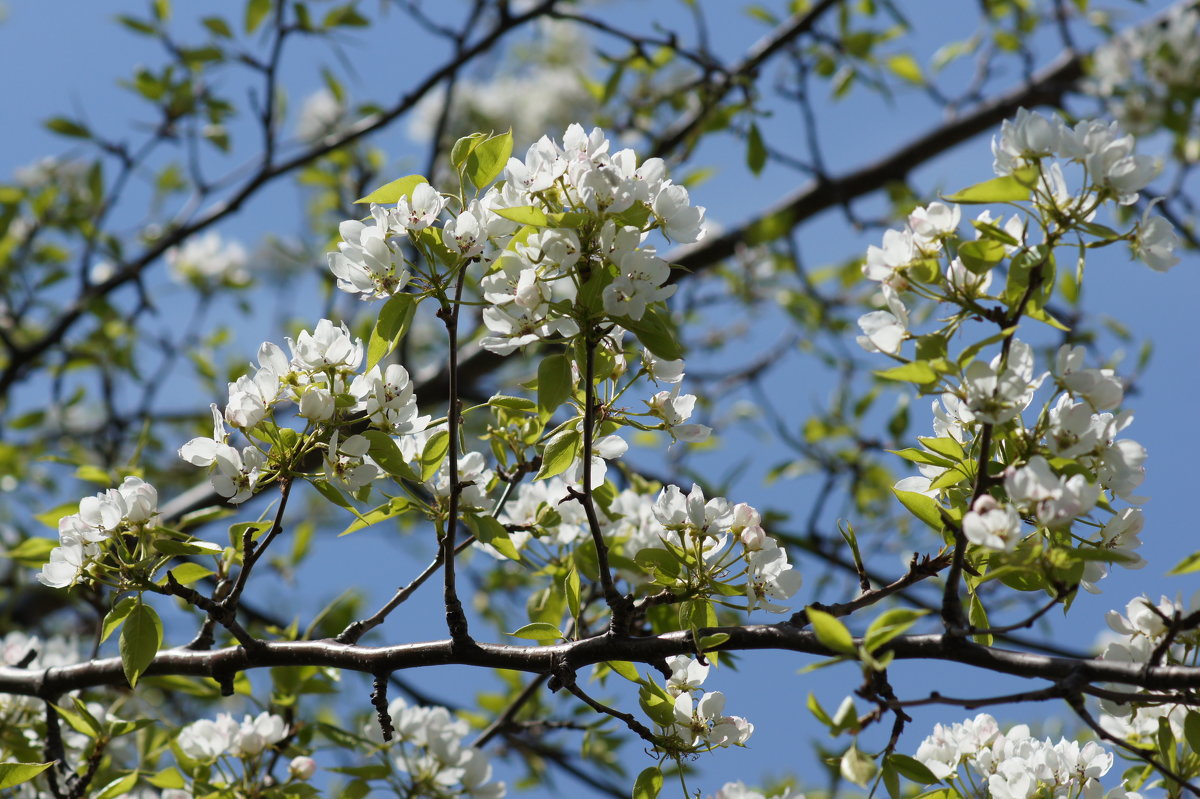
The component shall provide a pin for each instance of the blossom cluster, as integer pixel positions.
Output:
(208, 739)
(1148, 73)
(207, 261)
(587, 213)
(1135, 637)
(321, 378)
(132, 507)
(1073, 460)
(429, 749)
(1111, 170)
(700, 723)
(738, 790)
(1014, 764)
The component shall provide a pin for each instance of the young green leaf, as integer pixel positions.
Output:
(648, 783)
(538, 631)
(141, 637)
(830, 632)
(12, 774)
(554, 383)
(756, 151)
(486, 160)
(390, 193)
(890, 624)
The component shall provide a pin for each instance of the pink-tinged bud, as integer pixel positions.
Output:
(302, 768)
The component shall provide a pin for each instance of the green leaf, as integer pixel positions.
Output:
(16, 773)
(756, 151)
(390, 193)
(169, 777)
(486, 160)
(1007, 188)
(141, 637)
(385, 452)
(921, 506)
(218, 27)
(525, 215)
(904, 66)
(463, 147)
(113, 619)
(398, 506)
(119, 786)
(1191, 730)
(1186, 566)
(977, 616)
(538, 631)
(434, 453)
(625, 669)
(830, 632)
(981, 255)
(890, 624)
(519, 404)
(918, 372)
(32, 552)
(554, 383)
(169, 546)
(911, 768)
(857, 767)
(395, 317)
(648, 783)
(656, 332)
(80, 719)
(571, 586)
(943, 446)
(188, 573)
(68, 127)
(559, 453)
(256, 12)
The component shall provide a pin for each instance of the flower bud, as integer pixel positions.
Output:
(302, 768)
(316, 404)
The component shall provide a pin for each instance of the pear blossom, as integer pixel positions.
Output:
(674, 409)
(420, 210)
(996, 393)
(687, 674)
(326, 347)
(206, 260)
(660, 370)
(346, 462)
(1101, 388)
(603, 449)
(1155, 242)
(992, 525)
(1056, 501)
(898, 251)
(369, 262)
(680, 220)
(702, 724)
(386, 396)
(691, 513)
(929, 225)
(769, 577)
(1027, 136)
(885, 331)
(639, 284)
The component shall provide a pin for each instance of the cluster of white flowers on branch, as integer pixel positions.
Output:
(1015, 765)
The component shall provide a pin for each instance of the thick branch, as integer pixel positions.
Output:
(577, 654)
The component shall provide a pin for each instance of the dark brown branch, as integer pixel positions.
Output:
(588, 651)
